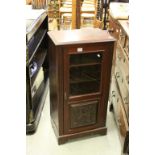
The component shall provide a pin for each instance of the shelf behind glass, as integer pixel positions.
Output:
(85, 58)
(84, 88)
(85, 79)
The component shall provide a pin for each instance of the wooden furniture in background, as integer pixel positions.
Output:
(119, 91)
(88, 9)
(76, 12)
(53, 9)
(39, 4)
(53, 15)
(80, 68)
(76, 6)
(65, 13)
(73, 14)
(101, 14)
(98, 22)
(28, 2)
(36, 70)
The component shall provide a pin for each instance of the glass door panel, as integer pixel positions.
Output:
(85, 73)
(86, 58)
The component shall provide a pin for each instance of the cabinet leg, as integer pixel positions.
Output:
(62, 141)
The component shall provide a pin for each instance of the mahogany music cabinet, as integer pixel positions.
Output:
(80, 64)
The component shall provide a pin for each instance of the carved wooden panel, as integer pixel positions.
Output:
(83, 114)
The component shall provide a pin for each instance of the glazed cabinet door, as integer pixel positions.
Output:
(83, 83)
(84, 73)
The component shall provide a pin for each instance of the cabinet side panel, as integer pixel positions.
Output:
(53, 84)
(107, 66)
(56, 86)
(60, 86)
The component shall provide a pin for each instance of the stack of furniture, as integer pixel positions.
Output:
(80, 69)
(119, 91)
(53, 15)
(83, 10)
(88, 8)
(28, 2)
(101, 15)
(39, 4)
(36, 68)
(53, 9)
(65, 13)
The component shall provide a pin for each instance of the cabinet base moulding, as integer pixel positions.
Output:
(61, 139)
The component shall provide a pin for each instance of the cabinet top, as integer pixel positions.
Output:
(78, 36)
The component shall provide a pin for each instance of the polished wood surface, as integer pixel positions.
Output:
(85, 35)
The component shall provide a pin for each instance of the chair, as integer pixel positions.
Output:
(65, 11)
(88, 8)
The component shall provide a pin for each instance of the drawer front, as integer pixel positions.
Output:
(125, 74)
(120, 115)
(116, 100)
(123, 124)
(123, 65)
(122, 38)
(122, 54)
(111, 88)
(126, 46)
(121, 85)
